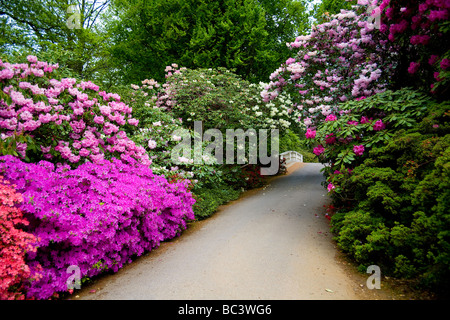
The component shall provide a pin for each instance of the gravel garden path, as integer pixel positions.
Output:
(273, 243)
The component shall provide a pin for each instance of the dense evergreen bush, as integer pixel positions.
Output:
(392, 199)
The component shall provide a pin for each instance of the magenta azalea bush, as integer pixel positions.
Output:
(62, 121)
(96, 217)
(14, 244)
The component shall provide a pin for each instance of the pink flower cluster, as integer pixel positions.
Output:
(341, 59)
(162, 97)
(419, 22)
(379, 125)
(310, 134)
(318, 150)
(330, 138)
(71, 120)
(331, 187)
(358, 150)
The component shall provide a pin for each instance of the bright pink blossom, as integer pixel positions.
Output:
(318, 150)
(133, 122)
(24, 112)
(358, 150)
(379, 125)
(413, 67)
(32, 59)
(330, 138)
(331, 187)
(438, 15)
(310, 134)
(423, 7)
(420, 39)
(15, 243)
(290, 61)
(445, 63)
(6, 74)
(97, 217)
(99, 119)
(433, 59)
(364, 119)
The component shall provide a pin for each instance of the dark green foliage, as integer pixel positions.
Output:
(326, 8)
(208, 199)
(394, 207)
(285, 20)
(151, 34)
(235, 34)
(217, 97)
(41, 28)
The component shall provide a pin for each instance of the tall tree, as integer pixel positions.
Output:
(325, 8)
(285, 19)
(54, 28)
(247, 35)
(192, 33)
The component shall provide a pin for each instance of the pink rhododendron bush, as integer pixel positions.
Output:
(64, 120)
(387, 175)
(343, 59)
(356, 54)
(96, 217)
(362, 52)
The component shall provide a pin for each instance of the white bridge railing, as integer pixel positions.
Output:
(292, 156)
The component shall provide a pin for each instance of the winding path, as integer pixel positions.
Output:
(274, 243)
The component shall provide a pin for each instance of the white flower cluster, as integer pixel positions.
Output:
(280, 113)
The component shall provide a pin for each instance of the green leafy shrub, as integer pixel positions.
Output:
(393, 198)
(208, 199)
(217, 97)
